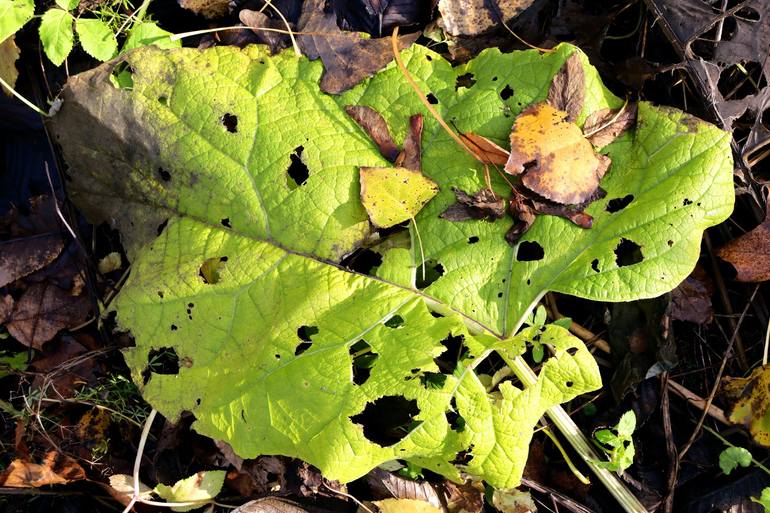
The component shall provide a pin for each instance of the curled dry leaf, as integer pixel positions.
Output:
(691, 300)
(348, 58)
(748, 402)
(375, 126)
(394, 195)
(748, 253)
(553, 157)
(484, 204)
(410, 156)
(257, 21)
(487, 152)
(55, 469)
(386, 485)
(568, 88)
(604, 126)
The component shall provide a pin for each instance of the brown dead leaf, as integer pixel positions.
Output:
(375, 126)
(9, 53)
(474, 17)
(43, 310)
(464, 498)
(55, 469)
(210, 9)
(748, 402)
(20, 257)
(553, 157)
(691, 300)
(568, 88)
(749, 253)
(65, 366)
(484, 204)
(386, 485)
(275, 505)
(524, 208)
(604, 126)
(486, 151)
(410, 156)
(348, 58)
(256, 20)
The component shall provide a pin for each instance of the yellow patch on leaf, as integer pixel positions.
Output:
(392, 195)
(554, 158)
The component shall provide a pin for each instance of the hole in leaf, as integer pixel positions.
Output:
(362, 359)
(164, 175)
(433, 380)
(198, 401)
(473, 240)
(455, 420)
(298, 172)
(161, 226)
(210, 269)
(174, 327)
(686, 202)
(499, 294)
(363, 260)
(465, 80)
(387, 420)
(595, 265)
(305, 333)
(277, 356)
(163, 100)
(463, 457)
(226, 222)
(618, 204)
(670, 242)
(395, 322)
(627, 253)
(572, 351)
(230, 122)
(160, 294)
(302, 347)
(494, 79)
(747, 13)
(454, 352)
(428, 58)
(569, 384)
(530, 251)
(163, 361)
(506, 93)
(432, 272)
(432, 99)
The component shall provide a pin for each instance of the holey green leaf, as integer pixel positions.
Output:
(232, 162)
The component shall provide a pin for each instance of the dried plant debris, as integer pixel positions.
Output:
(348, 58)
(474, 17)
(257, 21)
(748, 401)
(691, 300)
(749, 253)
(484, 204)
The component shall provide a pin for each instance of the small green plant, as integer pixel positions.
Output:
(618, 444)
(733, 456)
(119, 396)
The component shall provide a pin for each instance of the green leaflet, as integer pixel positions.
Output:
(96, 38)
(13, 15)
(56, 34)
(191, 165)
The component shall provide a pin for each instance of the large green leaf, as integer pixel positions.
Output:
(14, 14)
(235, 255)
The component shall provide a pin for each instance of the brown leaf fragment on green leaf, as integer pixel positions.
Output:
(568, 88)
(525, 206)
(554, 159)
(484, 204)
(375, 126)
(257, 21)
(748, 401)
(604, 126)
(410, 156)
(748, 253)
(348, 58)
(486, 151)
(45, 309)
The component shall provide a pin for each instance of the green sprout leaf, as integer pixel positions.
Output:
(201, 487)
(14, 14)
(67, 5)
(56, 34)
(191, 171)
(148, 33)
(96, 38)
(731, 457)
(618, 443)
(764, 499)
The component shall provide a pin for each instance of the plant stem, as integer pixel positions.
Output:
(22, 99)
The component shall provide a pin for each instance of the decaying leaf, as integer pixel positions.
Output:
(124, 485)
(484, 204)
(748, 253)
(691, 300)
(410, 155)
(56, 469)
(553, 157)
(257, 20)
(406, 506)
(375, 126)
(487, 151)
(9, 53)
(473, 17)
(274, 505)
(45, 309)
(386, 485)
(347, 56)
(20, 257)
(748, 401)
(200, 487)
(524, 207)
(467, 497)
(568, 88)
(392, 195)
(513, 501)
(604, 126)
(207, 8)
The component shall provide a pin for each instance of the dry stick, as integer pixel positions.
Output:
(557, 414)
(713, 393)
(673, 468)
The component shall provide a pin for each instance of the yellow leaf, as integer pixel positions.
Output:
(394, 195)
(553, 157)
(405, 506)
(748, 400)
